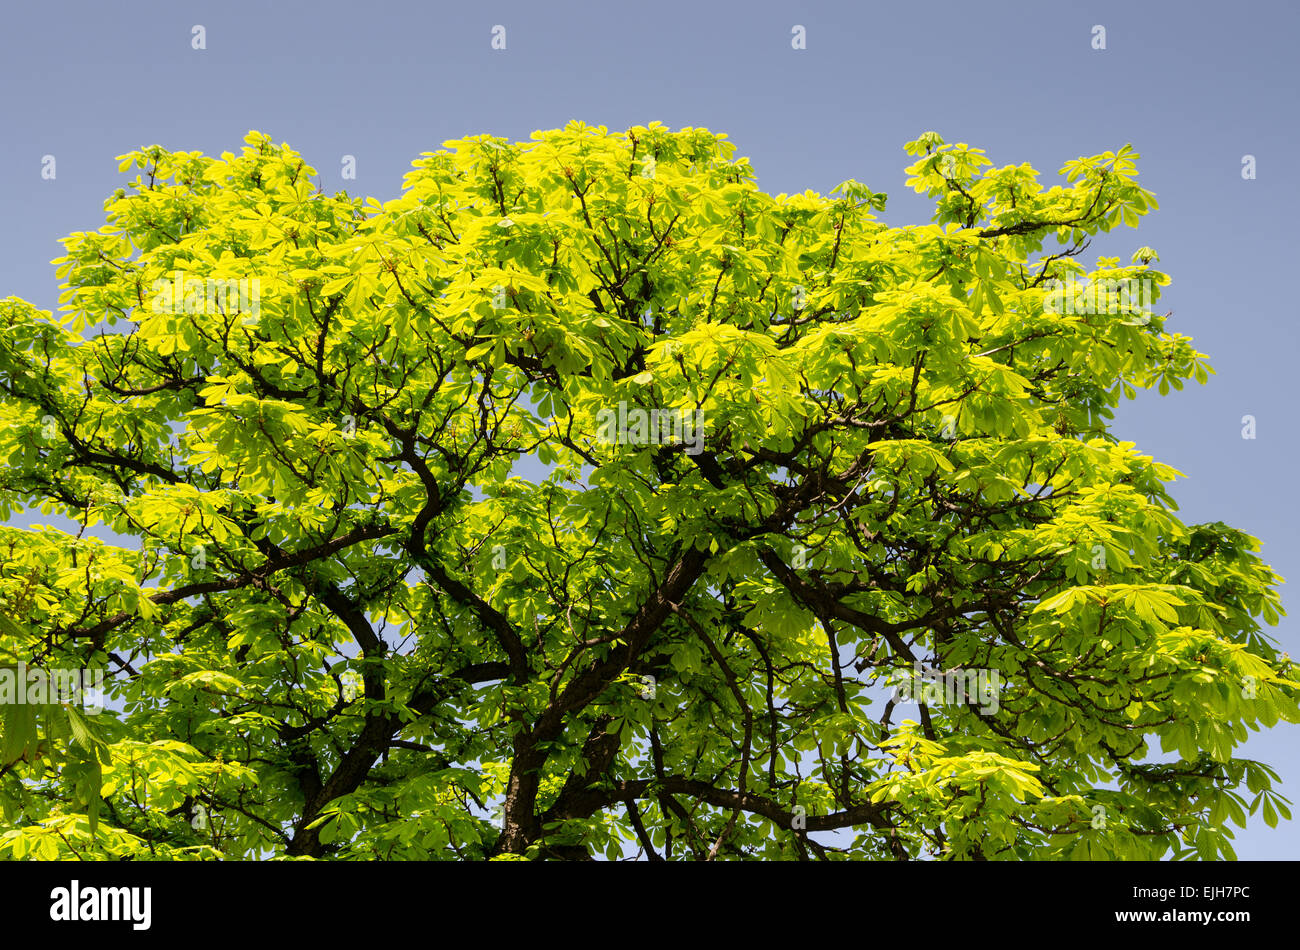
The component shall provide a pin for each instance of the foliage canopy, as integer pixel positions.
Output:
(347, 627)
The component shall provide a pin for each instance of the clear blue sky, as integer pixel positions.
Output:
(1193, 86)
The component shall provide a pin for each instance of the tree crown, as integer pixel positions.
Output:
(832, 532)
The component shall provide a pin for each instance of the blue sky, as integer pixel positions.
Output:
(1195, 87)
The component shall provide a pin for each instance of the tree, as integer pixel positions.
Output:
(831, 534)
